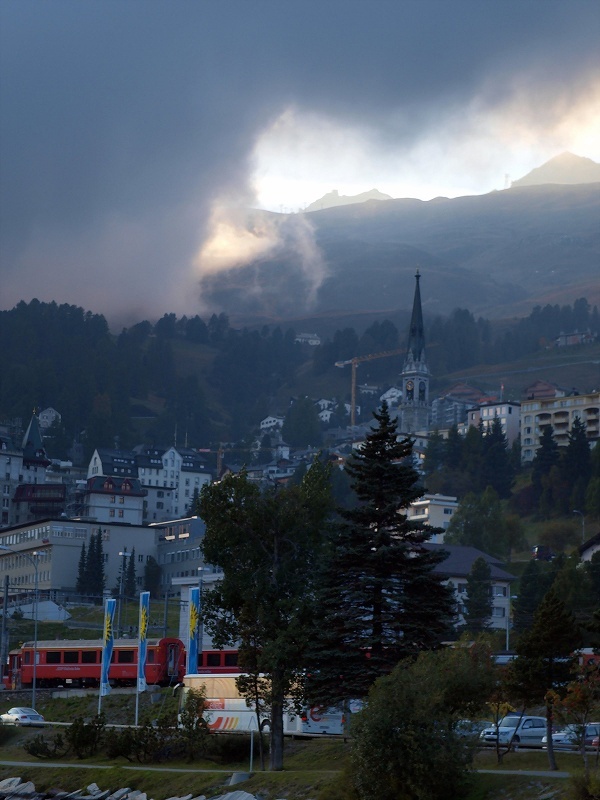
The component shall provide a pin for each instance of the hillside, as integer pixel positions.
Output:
(499, 253)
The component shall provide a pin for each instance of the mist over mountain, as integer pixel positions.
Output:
(564, 168)
(498, 254)
(334, 198)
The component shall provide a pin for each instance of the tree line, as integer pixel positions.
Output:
(64, 357)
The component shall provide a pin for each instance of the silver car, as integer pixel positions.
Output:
(519, 729)
(20, 715)
(569, 738)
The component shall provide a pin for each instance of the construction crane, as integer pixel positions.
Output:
(355, 362)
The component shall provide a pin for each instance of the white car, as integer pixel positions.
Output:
(22, 716)
(519, 729)
(569, 738)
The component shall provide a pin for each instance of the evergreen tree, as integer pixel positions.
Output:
(378, 597)
(534, 584)
(81, 574)
(130, 586)
(152, 576)
(576, 465)
(94, 567)
(497, 465)
(454, 449)
(478, 602)
(546, 457)
(473, 459)
(434, 453)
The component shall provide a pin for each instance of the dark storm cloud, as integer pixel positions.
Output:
(123, 121)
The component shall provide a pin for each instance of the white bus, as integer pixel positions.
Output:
(227, 711)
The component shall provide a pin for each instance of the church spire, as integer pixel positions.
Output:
(416, 333)
(414, 407)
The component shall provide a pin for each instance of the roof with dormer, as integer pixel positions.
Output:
(103, 484)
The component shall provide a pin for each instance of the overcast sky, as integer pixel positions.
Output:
(132, 129)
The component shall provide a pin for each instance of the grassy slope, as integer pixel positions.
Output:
(313, 769)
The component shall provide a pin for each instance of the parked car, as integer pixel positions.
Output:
(519, 729)
(22, 716)
(569, 738)
(472, 728)
(541, 552)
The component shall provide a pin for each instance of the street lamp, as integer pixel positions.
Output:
(35, 614)
(581, 514)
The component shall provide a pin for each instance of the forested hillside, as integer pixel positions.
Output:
(206, 381)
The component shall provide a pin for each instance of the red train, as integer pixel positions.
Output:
(77, 663)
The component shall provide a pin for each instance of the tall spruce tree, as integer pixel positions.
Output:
(478, 602)
(130, 586)
(497, 464)
(94, 567)
(80, 585)
(546, 457)
(379, 599)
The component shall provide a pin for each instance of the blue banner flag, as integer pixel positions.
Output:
(193, 631)
(108, 640)
(143, 640)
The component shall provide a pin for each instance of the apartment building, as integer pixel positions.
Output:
(560, 412)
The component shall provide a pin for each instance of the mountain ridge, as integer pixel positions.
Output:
(500, 254)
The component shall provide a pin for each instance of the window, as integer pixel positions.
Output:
(121, 499)
(213, 659)
(121, 512)
(71, 657)
(112, 498)
(141, 558)
(498, 612)
(89, 656)
(53, 658)
(231, 659)
(125, 656)
(499, 591)
(111, 512)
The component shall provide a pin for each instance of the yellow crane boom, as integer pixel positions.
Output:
(355, 362)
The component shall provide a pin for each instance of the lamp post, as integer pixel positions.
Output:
(35, 614)
(582, 515)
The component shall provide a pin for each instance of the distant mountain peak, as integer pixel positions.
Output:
(565, 168)
(334, 198)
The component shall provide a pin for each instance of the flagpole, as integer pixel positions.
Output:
(107, 649)
(140, 684)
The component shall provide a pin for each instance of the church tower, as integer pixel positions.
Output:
(414, 408)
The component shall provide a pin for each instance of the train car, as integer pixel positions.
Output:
(218, 662)
(77, 663)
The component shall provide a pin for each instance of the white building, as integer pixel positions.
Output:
(434, 510)
(171, 478)
(112, 499)
(456, 568)
(508, 413)
(48, 417)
